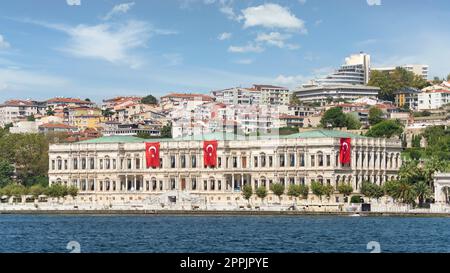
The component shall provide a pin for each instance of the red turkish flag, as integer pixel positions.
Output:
(152, 154)
(210, 153)
(345, 151)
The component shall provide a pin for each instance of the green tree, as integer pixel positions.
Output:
(72, 191)
(6, 171)
(448, 77)
(293, 191)
(436, 80)
(334, 117)
(37, 190)
(150, 99)
(353, 122)
(261, 192)
(406, 192)
(7, 126)
(389, 81)
(57, 191)
(277, 189)
(372, 190)
(375, 116)
(294, 100)
(247, 192)
(345, 188)
(317, 189)
(304, 191)
(328, 190)
(107, 113)
(50, 111)
(166, 131)
(390, 188)
(87, 99)
(423, 191)
(386, 128)
(415, 142)
(15, 190)
(31, 118)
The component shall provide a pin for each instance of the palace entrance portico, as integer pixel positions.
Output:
(131, 182)
(442, 188)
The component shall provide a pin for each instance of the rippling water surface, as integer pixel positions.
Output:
(20, 233)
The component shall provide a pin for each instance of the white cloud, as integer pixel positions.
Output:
(118, 9)
(247, 48)
(243, 61)
(73, 2)
(3, 43)
(272, 16)
(224, 36)
(291, 81)
(276, 39)
(173, 59)
(13, 79)
(109, 42)
(374, 2)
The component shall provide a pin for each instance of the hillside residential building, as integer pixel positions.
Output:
(433, 99)
(407, 96)
(178, 99)
(273, 95)
(418, 69)
(323, 93)
(15, 110)
(68, 102)
(356, 70)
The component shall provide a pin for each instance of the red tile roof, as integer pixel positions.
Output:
(68, 100)
(56, 125)
(188, 96)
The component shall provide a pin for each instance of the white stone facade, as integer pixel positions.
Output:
(117, 168)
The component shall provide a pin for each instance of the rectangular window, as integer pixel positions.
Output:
(282, 160)
(100, 164)
(219, 162)
(83, 163)
(75, 163)
(328, 160)
(114, 164)
(183, 161)
(194, 184)
(263, 161)
(53, 164)
(291, 160)
(270, 161)
(313, 160)
(320, 159)
(244, 162)
(234, 162)
(302, 160)
(255, 162)
(138, 163)
(129, 163)
(194, 161)
(65, 164)
(91, 163)
(172, 161)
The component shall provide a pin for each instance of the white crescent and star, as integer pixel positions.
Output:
(152, 148)
(345, 146)
(210, 146)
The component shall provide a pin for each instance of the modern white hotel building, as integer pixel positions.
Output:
(115, 165)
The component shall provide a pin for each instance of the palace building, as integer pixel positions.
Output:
(221, 164)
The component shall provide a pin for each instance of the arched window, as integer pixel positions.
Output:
(320, 159)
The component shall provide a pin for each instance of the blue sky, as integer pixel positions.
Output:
(103, 48)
